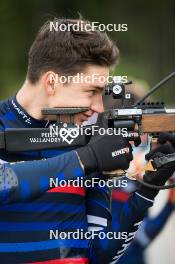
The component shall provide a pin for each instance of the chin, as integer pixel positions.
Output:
(79, 122)
(80, 119)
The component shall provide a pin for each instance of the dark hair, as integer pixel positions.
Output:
(68, 52)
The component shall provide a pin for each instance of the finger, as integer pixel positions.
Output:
(137, 141)
(134, 136)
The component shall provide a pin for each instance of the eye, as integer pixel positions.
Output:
(91, 92)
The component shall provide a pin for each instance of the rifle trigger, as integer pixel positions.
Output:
(149, 166)
(154, 140)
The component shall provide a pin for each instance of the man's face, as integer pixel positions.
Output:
(87, 92)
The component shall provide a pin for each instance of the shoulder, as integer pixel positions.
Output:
(5, 113)
(4, 105)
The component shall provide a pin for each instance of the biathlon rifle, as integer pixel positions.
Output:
(140, 117)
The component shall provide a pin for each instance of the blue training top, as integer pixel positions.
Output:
(30, 208)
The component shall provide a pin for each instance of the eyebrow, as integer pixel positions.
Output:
(99, 87)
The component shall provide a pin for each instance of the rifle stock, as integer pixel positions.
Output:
(158, 123)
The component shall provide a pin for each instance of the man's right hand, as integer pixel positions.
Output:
(165, 172)
(106, 153)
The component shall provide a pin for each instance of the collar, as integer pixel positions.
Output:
(23, 116)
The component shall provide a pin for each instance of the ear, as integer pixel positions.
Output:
(50, 81)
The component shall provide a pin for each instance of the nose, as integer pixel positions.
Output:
(97, 105)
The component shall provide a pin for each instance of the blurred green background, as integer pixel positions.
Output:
(147, 48)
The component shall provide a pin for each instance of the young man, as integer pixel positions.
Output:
(30, 208)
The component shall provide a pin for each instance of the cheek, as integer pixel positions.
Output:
(97, 99)
(76, 100)
(83, 100)
(74, 97)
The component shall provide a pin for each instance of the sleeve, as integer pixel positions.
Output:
(152, 227)
(98, 206)
(148, 231)
(108, 245)
(26, 180)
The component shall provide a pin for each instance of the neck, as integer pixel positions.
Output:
(30, 98)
